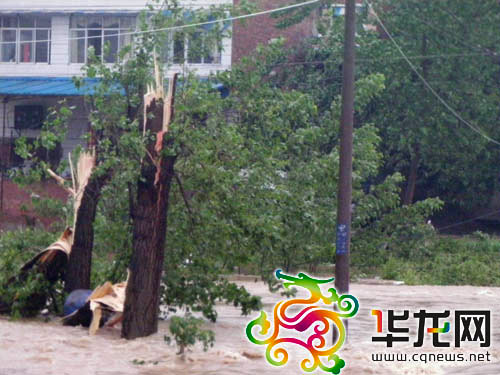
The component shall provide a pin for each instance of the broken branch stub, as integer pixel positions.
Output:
(80, 179)
(52, 260)
(85, 193)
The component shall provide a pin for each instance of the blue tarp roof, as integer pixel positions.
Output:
(45, 86)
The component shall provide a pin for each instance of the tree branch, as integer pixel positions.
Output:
(184, 197)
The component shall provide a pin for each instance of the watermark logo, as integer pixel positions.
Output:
(470, 326)
(306, 323)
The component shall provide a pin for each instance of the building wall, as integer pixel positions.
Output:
(93, 5)
(78, 123)
(60, 65)
(16, 210)
(261, 29)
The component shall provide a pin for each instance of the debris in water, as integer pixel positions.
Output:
(95, 308)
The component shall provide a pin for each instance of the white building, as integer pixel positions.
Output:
(43, 43)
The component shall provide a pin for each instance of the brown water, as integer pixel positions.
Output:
(35, 347)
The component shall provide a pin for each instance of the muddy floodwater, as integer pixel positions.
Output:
(35, 347)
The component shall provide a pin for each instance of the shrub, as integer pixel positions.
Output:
(22, 295)
(472, 260)
(187, 331)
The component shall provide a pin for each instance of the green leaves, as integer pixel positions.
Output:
(187, 331)
(25, 294)
(455, 58)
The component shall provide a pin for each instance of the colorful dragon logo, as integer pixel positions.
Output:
(311, 317)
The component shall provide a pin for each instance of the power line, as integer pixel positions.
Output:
(431, 89)
(152, 31)
(457, 19)
(443, 32)
(469, 220)
(420, 57)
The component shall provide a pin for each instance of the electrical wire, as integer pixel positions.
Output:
(431, 89)
(152, 31)
(469, 220)
(443, 32)
(420, 57)
(457, 19)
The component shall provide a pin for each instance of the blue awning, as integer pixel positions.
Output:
(45, 86)
(63, 86)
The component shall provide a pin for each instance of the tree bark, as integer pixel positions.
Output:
(80, 259)
(149, 225)
(146, 266)
(412, 179)
(409, 193)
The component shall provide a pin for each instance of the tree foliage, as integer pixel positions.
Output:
(452, 46)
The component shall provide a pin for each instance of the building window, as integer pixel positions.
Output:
(96, 32)
(28, 116)
(25, 39)
(339, 9)
(195, 48)
(9, 158)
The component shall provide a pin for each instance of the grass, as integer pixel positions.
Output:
(469, 260)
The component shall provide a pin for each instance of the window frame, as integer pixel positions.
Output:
(170, 57)
(341, 9)
(106, 33)
(32, 42)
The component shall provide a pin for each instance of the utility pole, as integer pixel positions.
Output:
(345, 173)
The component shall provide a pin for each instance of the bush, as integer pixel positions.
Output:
(472, 260)
(22, 295)
(187, 331)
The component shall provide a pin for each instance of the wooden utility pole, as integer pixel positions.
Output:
(345, 173)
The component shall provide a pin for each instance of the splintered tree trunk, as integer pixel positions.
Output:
(78, 271)
(86, 191)
(149, 223)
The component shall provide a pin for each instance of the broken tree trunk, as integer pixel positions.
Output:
(80, 259)
(86, 192)
(150, 218)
